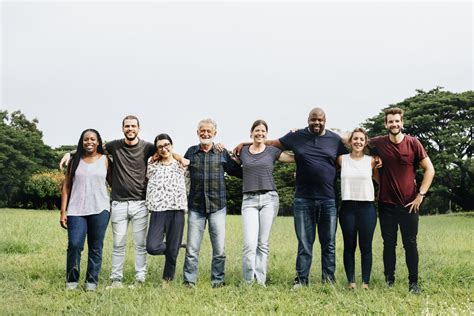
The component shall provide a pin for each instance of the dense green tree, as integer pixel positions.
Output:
(443, 122)
(284, 175)
(22, 153)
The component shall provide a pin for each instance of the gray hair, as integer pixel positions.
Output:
(207, 121)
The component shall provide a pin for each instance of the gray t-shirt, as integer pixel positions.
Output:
(129, 169)
(257, 169)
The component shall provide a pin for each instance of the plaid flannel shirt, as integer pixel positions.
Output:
(207, 169)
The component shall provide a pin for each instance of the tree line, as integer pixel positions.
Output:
(442, 120)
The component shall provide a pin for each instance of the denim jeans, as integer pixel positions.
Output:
(94, 226)
(124, 212)
(169, 225)
(309, 214)
(358, 219)
(196, 226)
(391, 216)
(259, 210)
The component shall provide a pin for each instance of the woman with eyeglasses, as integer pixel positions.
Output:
(166, 201)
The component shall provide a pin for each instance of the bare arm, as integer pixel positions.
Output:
(286, 157)
(64, 161)
(339, 161)
(64, 200)
(274, 143)
(268, 142)
(183, 161)
(375, 170)
(238, 148)
(428, 176)
(108, 166)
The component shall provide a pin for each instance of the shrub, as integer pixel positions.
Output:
(43, 190)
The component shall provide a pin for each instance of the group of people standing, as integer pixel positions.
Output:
(150, 178)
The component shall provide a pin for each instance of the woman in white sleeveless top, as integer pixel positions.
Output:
(85, 206)
(357, 216)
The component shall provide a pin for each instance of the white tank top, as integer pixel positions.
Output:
(89, 193)
(356, 179)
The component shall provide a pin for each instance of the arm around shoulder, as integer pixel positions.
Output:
(286, 157)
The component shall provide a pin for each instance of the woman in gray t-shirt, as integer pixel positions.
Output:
(260, 201)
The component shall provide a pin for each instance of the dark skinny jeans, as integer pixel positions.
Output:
(171, 225)
(358, 218)
(391, 216)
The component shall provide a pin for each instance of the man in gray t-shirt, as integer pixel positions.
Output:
(130, 156)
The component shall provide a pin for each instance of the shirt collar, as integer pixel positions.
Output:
(198, 149)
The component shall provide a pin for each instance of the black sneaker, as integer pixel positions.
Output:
(413, 288)
(390, 281)
(218, 285)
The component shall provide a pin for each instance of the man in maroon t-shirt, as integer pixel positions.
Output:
(399, 199)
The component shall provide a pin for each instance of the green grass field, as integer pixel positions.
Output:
(33, 256)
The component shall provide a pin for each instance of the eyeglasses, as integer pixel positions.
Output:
(166, 146)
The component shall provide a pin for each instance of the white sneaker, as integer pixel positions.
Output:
(115, 285)
(71, 286)
(90, 287)
(138, 283)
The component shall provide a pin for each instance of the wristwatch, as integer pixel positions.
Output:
(422, 194)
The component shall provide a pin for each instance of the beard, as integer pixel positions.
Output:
(318, 130)
(131, 138)
(395, 133)
(205, 141)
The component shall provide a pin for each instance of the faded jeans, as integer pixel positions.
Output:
(124, 212)
(196, 226)
(259, 210)
(309, 214)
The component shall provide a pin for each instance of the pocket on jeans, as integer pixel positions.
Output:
(273, 193)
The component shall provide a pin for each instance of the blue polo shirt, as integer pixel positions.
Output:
(315, 162)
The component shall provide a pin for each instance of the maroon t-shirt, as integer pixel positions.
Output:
(397, 175)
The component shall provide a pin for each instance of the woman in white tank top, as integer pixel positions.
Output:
(85, 206)
(357, 215)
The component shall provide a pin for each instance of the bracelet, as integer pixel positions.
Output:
(422, 194)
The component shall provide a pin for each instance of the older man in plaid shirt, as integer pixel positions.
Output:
(207, 201)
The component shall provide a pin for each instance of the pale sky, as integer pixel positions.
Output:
(75, 65)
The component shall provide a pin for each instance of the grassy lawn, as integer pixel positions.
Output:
(33, 258)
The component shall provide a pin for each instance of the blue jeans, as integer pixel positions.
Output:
(196, 226)
(259, 210)
(94, 226)
(358, 218)
(309, 214)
